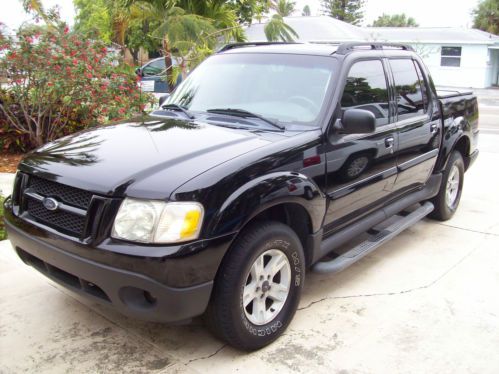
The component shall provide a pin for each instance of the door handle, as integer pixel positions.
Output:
(433, 128)
(389, 142)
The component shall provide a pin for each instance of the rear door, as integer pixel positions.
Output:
(361, 168)
(418, 134)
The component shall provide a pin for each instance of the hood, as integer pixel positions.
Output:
(148, 158)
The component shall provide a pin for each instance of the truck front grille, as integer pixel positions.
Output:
(72, 214)
(61, 220)
(69, 195)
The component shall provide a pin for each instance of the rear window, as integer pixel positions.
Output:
(408, 89)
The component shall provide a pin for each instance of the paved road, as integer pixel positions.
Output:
(489, 119)
(424, 302)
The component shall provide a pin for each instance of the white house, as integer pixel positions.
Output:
(456, 57)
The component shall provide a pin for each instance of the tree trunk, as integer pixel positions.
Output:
(168, 64)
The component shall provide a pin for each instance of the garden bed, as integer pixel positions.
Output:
(8, 162)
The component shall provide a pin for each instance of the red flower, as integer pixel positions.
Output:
(72, 53)
(66, 30)
(88, 75)
(122, 110)
(75, 61)
(50, 84)
(29, 39)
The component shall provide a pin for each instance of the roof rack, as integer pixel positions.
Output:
(230, 46)
(345, 48)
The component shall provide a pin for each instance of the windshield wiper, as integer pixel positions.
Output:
(244, 114)
(178, 107)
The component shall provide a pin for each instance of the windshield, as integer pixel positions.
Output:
(281, 87)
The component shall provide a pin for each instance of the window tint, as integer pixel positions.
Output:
(408, 89)
(366, 89)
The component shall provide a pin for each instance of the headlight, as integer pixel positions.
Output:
(150, 221)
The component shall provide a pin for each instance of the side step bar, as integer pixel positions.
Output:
(374, 241)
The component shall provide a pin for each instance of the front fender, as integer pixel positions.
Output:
(264, 192)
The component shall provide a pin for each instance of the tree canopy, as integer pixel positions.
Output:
(486, 16)
(284, 8)
(395, 20)
(344, 10)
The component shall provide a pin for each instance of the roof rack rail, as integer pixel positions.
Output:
(345, 48)
(230, 46)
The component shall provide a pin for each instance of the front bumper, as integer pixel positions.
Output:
(132, 294)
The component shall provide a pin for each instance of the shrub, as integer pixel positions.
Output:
(3, 234)
(57, 84)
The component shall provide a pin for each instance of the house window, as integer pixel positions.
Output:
(450, 56)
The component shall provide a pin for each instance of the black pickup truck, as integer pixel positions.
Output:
(269, 160)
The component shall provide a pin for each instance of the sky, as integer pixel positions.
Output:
(428, 13)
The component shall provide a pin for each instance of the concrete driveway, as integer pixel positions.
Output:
(425, 302)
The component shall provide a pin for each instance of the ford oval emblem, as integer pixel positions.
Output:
(50, 203)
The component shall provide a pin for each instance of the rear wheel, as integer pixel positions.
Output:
(449, 195)
(258, 287)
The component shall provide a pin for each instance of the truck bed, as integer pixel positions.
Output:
(444, 92)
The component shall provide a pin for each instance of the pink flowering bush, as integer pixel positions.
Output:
(54, 83)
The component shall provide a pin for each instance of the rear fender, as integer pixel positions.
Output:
(454, 130)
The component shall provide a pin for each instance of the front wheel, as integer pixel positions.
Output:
(449, 195)
(258, 287)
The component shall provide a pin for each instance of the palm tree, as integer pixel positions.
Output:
(277, 30)
(284, 8)
(179, 31)
(224, 17)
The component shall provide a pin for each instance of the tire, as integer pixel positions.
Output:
(445, 207)
(243, 327)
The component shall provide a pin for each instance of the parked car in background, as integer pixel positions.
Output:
(153, 77)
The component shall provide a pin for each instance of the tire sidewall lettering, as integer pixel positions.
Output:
(295, 261)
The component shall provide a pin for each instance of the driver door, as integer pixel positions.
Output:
(361, 168)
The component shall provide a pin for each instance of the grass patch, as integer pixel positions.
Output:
(3, 234)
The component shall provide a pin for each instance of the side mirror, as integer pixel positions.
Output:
(357, 121)
(163, 98)
(139, 72)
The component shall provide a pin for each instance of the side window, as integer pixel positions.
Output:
(366, 89)
(408, 89)
(424, 87)
(154, 68)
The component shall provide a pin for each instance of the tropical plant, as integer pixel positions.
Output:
(190, 30)
(58, 84)
(93, 19)
(246, 10)
(284, 8)
(395, 20)
(3, 234)
(345, 10)
(306, 11)
(486, 16)
(277, 30)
